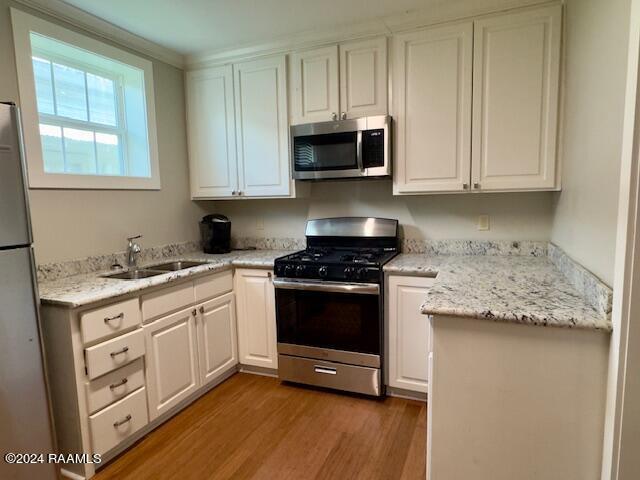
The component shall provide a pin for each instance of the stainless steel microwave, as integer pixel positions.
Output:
(360, 147)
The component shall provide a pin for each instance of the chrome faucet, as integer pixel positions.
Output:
(133, 249)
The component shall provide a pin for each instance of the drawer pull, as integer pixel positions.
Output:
(119, 352)
(325, 370)
(120, 316)
(122, 422)
(113, 386)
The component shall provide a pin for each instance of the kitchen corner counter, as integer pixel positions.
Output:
(79, 290)
(517, 289)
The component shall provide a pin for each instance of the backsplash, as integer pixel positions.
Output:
(587, 284)
(597, 293)
(53, 271)
(474, 247)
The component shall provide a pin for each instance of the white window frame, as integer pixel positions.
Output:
(23, 25)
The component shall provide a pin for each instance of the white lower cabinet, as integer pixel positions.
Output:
(119, 421)
(256, 318)
(408, 335)
(216, 327)
(172, 360)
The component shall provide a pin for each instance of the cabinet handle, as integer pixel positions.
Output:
(201, 309)
(343, 115)
(119, 352)
(120, 316)
(476, 185)
(465, 186)
(194, 312)
(269, 275)
(234, 193)
(240, 193)
(122, 382)
(334, 116)
(123, 421)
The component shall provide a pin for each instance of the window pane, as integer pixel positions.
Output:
(102, 100)
(70, 92)
(108, 148)
(44, 86)
(80, 151)
(51, 137)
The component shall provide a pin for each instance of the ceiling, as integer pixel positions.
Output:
(192, 27)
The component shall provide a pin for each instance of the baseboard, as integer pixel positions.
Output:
(267, 372)
(407, 394)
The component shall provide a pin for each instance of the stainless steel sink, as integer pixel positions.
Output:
(135, 274)
(175, 266)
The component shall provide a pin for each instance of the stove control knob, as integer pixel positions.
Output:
(362, 273)
(349, 272)
(300, 270)
(288, 270)
(323, 272)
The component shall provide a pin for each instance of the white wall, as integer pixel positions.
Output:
(513, 216)
(585, 212)
(76, 223)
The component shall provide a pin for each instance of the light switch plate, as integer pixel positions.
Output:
(483, 222)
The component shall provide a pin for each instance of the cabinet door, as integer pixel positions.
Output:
(261, 127)
(211, 131)
(515, 100)
(432, 109)
(363, 78)
(408, 333)
(171, 361)
(314, 77)
(217, 350)
(256, 318)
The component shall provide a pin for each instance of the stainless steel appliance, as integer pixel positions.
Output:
(25, 421)
(356, 148)
(329, 304)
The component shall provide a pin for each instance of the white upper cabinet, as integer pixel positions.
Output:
(515, 100)
(432, 77)
(341, 81)
(262, 130)
(314, 75)
(363, 78)
(211, 132)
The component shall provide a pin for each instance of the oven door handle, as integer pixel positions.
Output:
(322, 286)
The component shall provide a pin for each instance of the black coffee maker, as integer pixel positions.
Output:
(215, 230)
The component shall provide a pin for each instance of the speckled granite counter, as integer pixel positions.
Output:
(78, 290)
(520, 289)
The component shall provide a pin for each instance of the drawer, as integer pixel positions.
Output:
(213, 286)
(321, 373)
(166, 301)
(108, 321)
(109, 355)
(119, 421)
(114, 385)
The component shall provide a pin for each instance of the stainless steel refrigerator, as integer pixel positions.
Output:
(25, 420)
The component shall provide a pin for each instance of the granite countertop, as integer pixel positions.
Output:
(78, 290)
(519, 289)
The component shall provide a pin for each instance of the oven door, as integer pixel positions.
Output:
(334, 321)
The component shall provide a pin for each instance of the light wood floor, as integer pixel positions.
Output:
(255, 427)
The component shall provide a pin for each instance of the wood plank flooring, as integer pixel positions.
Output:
(254, 427)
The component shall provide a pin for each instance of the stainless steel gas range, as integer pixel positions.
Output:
(329, 304)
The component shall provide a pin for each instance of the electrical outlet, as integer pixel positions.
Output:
(483, 222)
(259, 224)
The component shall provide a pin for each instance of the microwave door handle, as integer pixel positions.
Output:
(359, 151)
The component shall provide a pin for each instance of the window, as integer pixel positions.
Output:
(88, 110)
